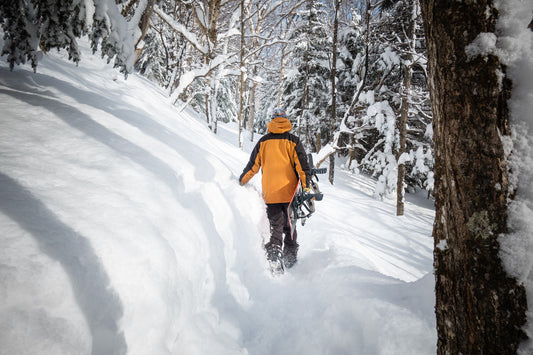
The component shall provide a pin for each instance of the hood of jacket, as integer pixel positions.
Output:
(279, 125)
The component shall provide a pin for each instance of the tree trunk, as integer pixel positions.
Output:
(303, 119)
(333, 90)
(282, 62)
(251, 118)
(402, 131)
(479, 308)
(251, 104)
(404, 111)
(208, 109)
(318, 140)
(143, 26)
(242, 77)
(281, 75)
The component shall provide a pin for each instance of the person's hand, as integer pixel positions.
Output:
(307, 190)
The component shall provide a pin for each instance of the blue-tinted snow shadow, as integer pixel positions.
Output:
(222, 297)
(97, 300)
(85, 124)
(110, 102)
(142, 120)
(136, 154)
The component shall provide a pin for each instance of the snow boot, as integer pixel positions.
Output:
(275, 258)
(290, 257)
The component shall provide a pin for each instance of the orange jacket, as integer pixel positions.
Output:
(282, 159)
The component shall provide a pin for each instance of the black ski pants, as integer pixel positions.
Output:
(278, 216)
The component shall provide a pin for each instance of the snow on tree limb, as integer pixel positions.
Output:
(178, 27)
(191, 75)
(121, 34)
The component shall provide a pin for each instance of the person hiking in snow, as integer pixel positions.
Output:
(283, 161)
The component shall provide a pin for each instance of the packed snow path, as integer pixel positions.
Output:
(123, 230)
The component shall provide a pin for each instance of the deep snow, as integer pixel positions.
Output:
(123, 230)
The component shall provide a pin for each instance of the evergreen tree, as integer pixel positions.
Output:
(30, 24)
(379, 55)
(166, 51)
(62, 22)
(307, 85)
(269, 96)
(368, 129)
(227, 98)
(20, 41)
(401, 30)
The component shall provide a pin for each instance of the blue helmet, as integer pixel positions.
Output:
(279, 112)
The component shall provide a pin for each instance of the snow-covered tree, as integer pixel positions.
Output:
(368, 129)
(32, 24)
(400, 32)
(211, 58)
(307, 85)
(263, 27)
(20, 40)
(384, 84)
(333, 76)
(267, 27)
(268, 93)
(164, 55)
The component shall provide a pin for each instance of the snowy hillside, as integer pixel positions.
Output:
(123, 230)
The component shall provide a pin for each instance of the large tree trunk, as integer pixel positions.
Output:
(479, 308)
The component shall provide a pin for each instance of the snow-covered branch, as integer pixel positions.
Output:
(190, 76)
(178, 27)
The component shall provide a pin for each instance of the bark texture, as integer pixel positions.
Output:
(479, 308)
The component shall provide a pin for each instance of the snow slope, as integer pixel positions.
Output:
(123, 230)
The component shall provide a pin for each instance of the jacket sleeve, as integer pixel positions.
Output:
(302, 165)
(253, 165)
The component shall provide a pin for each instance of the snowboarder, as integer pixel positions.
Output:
(283, 161)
